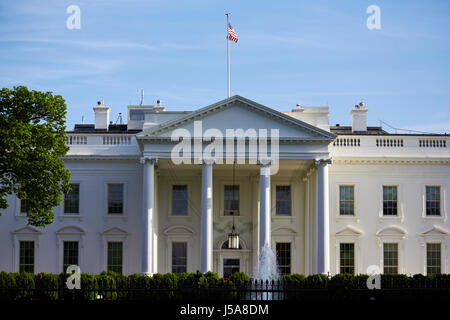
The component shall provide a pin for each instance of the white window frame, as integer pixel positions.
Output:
(400, 216)
(124, 214)
(229, 182)
(80, 215)
(348, 234)
(115, 234)
(69, 233)
(398, 236)
(443, 188)
(25, 234)
(439, 235)
(337, 211)
(274, 199)
(189, 197)
(180, 233)
(18, 215)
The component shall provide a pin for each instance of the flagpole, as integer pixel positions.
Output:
(228, 57)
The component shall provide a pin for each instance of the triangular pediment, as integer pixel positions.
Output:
(435, 231)
(349, 231)
(284, 231)
(239, 113)
(179, 231)
(27, 230)
(114, 231)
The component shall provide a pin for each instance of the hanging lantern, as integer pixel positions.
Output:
(233, 238)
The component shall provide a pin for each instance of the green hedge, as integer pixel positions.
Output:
(198, 286)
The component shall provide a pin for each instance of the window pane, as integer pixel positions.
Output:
(283, 200)
(115, 256)
(70, 255)
(346, 203)
(433, 258)
(283, 251)
(231, 199)
(26, 256)
(179, 200)
(72, 199)
(433, 200)
(115, 198)
(390, 200)
(179, 257)
(347, 258)
(230, 266)
(390, 258)
(23, 205)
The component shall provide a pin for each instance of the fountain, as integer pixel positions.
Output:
(266, 275)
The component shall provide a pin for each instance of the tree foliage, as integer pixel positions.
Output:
(33, 136)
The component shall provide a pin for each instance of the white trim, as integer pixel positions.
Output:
(188, 185)
(66, 234)
(443, 187)
(356, 203)
(273, 187)
(398, 236)
(353, 236)
(441, 236)
(115, 234)
(400, 216)
(80, 215)
(124, 214)
(26, 233)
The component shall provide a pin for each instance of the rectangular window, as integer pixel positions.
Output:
(231, 198)
(179, 257)
(433, 200)
(390, 258)
(283, 250)
(70, 255)
(23, 206)
(346, 200)
(137, 115)
(115, 198)
(72, 200)
(389, 200)
(230, 266)
(347, 258)
(115, 256)
(283, 200)
(26, 256)
(179, 200)
(433, 258)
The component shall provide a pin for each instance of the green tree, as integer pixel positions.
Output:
(33, 136)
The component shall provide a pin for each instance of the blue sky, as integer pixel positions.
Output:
(289, 52)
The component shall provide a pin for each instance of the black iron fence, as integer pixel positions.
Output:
(253, 290)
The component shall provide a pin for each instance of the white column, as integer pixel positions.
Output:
(323, 226)
(207, 216)
(264, 205)
(148, 217)
(307, 251)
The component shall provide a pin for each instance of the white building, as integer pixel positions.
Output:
(343, 198)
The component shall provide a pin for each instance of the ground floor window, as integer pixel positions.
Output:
(230, 266)
(390, 258)
(347, 258)
(283, 251)
(433, 258)
(115, 257)
(179, 257)
(26, 256)
(70, 254)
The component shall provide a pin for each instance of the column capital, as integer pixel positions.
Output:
(208, 161)
(321, 162)
(264, 162)
(152, 160)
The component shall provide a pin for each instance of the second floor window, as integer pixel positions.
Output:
(179, 200)
(115, 198)
(390, 200)
(23, 206)
(433, 200)
(346, 200)
(231, 200)
(283, 200)
(72, 200)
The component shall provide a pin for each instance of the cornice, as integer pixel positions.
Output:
(404, 161)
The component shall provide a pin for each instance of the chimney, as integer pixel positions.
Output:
(101, 116)
(359, 118)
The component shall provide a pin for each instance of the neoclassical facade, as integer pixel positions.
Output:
(163, 192)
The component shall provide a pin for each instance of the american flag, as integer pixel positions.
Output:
(232, 34)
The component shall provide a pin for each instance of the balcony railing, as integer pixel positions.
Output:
(95, 140)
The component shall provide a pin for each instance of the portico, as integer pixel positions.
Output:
(297, 171)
